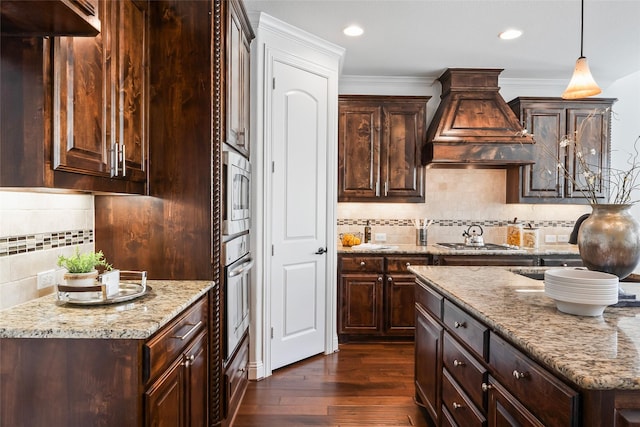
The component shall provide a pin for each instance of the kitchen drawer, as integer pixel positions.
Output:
(362, 264)
(465, 369)
(471, 332)
(166, 345)
(461, 408)
(561, 262)
(401, 264)
(429, 299)
(545, 396)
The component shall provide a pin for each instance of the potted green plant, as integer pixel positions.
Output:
(81, 267)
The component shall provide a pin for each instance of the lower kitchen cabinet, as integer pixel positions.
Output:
(376, 297)
(160, 381)
(466, 375)
(236, 380)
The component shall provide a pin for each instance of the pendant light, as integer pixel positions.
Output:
(582, 84)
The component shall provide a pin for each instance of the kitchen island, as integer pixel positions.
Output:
(527, 362)
(126, 364)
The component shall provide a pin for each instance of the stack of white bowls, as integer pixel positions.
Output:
(581, 292)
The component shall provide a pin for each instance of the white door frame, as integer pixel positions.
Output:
(276, 40)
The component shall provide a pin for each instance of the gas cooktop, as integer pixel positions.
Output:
(485, 247)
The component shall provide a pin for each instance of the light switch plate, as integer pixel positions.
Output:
(381, 237)
(46, 279)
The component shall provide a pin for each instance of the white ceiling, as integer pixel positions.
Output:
(421, 38)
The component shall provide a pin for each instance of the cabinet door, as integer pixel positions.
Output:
(359, 151)
(165, 400)
(80, 85)
(505, 411)
(238, 66)
(361, 305)
(100, 100)
(543, 179)
(128, 92)
(591, 129)
(400, 304)
(428, 369)
(196, 382)
(403, 133)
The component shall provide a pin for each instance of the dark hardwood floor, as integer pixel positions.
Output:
(361, 385)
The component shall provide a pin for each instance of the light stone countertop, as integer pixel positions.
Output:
(597, 353)
(140, 318)
(435, 249)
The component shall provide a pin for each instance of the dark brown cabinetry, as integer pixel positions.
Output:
(239, 36)
(161, 381)
(177, 358)
(379, 139)
(81, 118)
(100, 97)
(376, 296)
(469, 376)
(550, 120)
(49, 17)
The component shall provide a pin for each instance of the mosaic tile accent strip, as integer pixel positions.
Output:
(454, 222)
(14, 245)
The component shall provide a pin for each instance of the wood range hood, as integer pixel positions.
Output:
(473, 125)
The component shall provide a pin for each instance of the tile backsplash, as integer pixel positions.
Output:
(35, 228)
(455, 199)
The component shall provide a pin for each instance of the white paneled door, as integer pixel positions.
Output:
(299, 211)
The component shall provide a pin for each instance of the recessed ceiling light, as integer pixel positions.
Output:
(353, 31)
(510, 34)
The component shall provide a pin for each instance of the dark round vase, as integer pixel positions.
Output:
(609, 240)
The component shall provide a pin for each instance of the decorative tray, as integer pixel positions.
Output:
(132, 285)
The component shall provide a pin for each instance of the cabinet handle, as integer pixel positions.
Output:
(457, 362)
(379, 278)
(389, 279)
(386, 188)
(123, 153)
(189, 332)
(456, 405)
(519, 375)
(486, 387)
(377, 189)
(362, 263)
(113, 167)
(459, 325)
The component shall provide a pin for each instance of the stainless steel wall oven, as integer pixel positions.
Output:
(238, 265)
(236, 193)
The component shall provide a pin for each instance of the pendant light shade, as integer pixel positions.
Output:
(582, 83)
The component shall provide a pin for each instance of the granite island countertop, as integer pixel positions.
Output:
(597, 353)
(140, 318)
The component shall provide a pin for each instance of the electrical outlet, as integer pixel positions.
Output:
(46, 279)
(381, 237)
(550, 238)
(563, 238)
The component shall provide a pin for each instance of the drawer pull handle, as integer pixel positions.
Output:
(486, 387)
(519, 375)
(459, 325)
(457, 362)
(362, 263)
(189, 332)
(456, 405)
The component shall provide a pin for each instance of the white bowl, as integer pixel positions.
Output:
(581, 291)
(580, 309)
(570, 275)
(562, 296)
(585, 286)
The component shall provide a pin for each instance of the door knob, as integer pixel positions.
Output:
(320, 251)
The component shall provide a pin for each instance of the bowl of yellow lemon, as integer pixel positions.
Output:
(350, 239)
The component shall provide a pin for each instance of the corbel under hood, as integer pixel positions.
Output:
(473, 125)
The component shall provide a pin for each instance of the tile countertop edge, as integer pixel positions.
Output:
(575, 362)
(136, 319)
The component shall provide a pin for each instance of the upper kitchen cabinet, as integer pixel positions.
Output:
(49, 17)
(550, 120)
(76, 107)
(238, 51)
(378, 142)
